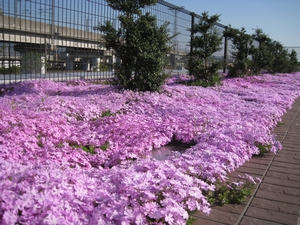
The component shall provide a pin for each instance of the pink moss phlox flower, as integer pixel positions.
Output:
(80, 153)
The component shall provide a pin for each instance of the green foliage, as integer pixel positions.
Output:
(87, 148)
(31, 62)
(279, 62)
(263, 148)
(272, 56)
(102, 81)
(102, 67)
(230, 193)
(207, 40)
(59, 145)
(280, 124)
(293, 62)
(140, 45)
(105, 146)
(10, 70)
(191, 218)
(240, 68)
(40, 141)
(130, 7)
(90, 148)
(242, 49)
(40, 144)
(262, 54)
(107, 113)
(103, 114)
(212, 81)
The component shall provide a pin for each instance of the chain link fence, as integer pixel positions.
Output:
(56, 40)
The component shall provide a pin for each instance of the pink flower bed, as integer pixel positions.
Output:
(80, 153)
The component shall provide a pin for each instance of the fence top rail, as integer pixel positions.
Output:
(292, 46)
(174, 7)
(183, 10)
(218, 24)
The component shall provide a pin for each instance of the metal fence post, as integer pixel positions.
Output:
(38, 26)
(192, 33)
(225, 52)
(192, 30)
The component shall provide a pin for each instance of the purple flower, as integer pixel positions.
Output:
(79, 153)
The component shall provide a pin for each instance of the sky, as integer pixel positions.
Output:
(279, 19)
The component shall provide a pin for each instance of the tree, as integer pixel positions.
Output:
(140, 45)
(294, 64)
(207, 40)
(261, 56)
(243, 48)
(32, 62)
(279, 62)
(272, 56)
(130, 7)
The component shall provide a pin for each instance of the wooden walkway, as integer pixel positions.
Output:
(276, 200)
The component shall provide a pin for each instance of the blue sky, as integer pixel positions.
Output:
(280, 19)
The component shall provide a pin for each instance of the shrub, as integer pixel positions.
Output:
(230, 193)
(243, 48)
(10, 70)
(201, 63)
(140, 45)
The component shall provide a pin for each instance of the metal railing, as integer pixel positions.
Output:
(55, 40)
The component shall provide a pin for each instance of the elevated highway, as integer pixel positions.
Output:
(15, 29)
(57, 44)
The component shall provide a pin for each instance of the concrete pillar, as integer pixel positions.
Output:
(114, 59)
(86, 65)
(43, 68)
(5, 64)
(95, 64)
(69, 64)
(173, 59)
